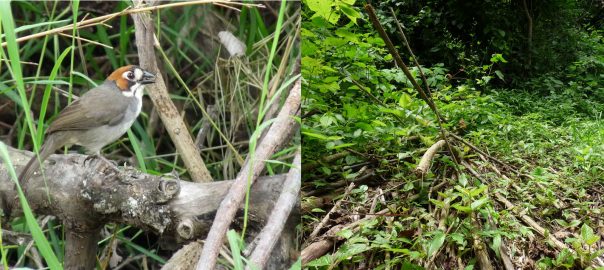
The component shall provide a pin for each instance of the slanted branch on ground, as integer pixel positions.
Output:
(85, 196)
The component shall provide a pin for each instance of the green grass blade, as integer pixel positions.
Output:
(74, 9)
(32, 224)
(6, 16)
(235, 245)
(148, 145)
(104, 38)
(270, 60)
(3, 260)
(35, 25)
(83, 76)
(137, 150)
(55, 240)
(46, 96)
(143, 250)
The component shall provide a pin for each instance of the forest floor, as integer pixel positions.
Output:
(527, 194)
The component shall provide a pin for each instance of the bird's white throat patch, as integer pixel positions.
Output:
(135, 91)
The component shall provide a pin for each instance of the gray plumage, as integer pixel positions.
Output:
(97, 118)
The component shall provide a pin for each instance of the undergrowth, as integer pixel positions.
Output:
(365, 130)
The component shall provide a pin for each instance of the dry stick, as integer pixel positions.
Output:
(182, 258)
(400, 30)
(274, 226)
(161, 100)
(129, 260)
(527, 219)
(424, 163)
(479, 247)
(319, 248)
(252, 167)
(469, 144)
(399, 62)
(478, 243)
(86, 40)
(313, 164)
(104, 18)
(204, 131)
(335, 207)
(503, 249)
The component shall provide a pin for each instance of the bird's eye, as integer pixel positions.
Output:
(130, 75)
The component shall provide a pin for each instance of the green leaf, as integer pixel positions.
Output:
(350, 12)
(321, 136)
(322, 261)
(405, 100)
(437, 242)
(47, 91)
(324, 9)
(588, 236)
(496, 244)
(437, 203)
(462, 208)
(479, 203)
(346, 233)
(6, 17)
(495, 58)
(348, 250)
(463, 180)
(499, 74)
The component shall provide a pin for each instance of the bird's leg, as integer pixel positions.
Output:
(107, 162)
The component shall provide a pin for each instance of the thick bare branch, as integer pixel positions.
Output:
(86, 196)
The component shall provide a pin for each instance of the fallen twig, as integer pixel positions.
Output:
(319, 248)
(325, 219)
(288, 199)
(469, 144)
(253, 166)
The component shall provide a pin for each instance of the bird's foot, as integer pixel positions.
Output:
(107, 162)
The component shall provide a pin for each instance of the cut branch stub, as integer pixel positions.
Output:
(120, 200)
(424, 164)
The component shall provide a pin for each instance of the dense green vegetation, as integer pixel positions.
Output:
(38, 77)
(534, 104)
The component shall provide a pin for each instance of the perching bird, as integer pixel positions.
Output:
(97, 118)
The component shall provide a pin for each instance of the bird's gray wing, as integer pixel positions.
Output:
(102, 105)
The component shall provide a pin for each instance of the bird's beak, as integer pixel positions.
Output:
(148, 78)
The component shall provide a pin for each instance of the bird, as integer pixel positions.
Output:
(99, 117)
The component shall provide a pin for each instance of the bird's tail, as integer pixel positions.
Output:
(48, 148)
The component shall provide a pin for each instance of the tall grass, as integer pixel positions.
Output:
(196, 72)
